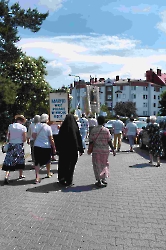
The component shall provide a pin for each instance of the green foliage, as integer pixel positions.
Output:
(125, 109)
(162, 103)
(104, 108)
(10, 19)
(23, 88)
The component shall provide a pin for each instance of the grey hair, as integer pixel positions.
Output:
(44, 118)
(36, 119)
(152, 118)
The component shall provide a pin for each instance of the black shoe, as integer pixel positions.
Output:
(6, 181)
(104, 182)
(100, 184)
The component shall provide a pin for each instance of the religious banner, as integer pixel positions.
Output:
(58, 106)
(93, 100)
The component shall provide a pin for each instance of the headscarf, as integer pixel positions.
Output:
(69, 135)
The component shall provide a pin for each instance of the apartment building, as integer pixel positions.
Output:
(144, 94)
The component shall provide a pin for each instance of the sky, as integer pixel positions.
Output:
(97, 38)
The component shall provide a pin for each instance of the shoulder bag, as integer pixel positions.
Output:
(91, 144)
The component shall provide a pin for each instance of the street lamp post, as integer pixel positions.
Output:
(79, 87)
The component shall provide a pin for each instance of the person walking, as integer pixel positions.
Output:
(30, 139)
(55, 130)
(92, 123)
(131, 132)
(15, 156)
(69, 144)
(84, 129)
(101, 139)
(118, 126)
(42, 135)
(155, 143)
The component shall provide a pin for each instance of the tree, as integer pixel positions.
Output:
(125, 109)
(10, 19)
(31, 91)
(104, 108)
(162, 103)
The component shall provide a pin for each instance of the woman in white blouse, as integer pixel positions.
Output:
(15, 156)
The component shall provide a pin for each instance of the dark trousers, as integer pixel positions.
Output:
(66, 166)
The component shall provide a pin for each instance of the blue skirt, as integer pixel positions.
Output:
(15, 157)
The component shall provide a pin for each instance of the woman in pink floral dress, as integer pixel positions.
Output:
(101, 139)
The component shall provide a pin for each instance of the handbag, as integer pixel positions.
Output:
(5, 147)
(91, 144)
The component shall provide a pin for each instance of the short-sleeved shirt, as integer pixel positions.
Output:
(118, 126)
(43, 132)
(16, 131)
(84, 124)
(131, 128)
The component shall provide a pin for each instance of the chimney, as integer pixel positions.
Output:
(117, 78)
(159, 72)
(128, 79)
(95, 79)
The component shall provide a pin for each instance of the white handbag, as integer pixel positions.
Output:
(5, 148)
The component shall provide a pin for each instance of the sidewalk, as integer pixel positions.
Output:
(129, 214)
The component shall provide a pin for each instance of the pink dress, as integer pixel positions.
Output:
(101, 151)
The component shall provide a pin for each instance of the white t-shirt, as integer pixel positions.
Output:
(42, 139)
(30, 130)
(16, 131)
(55, 129)
(131, 128)
(118, 126)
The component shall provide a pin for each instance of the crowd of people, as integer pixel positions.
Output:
(67, 140)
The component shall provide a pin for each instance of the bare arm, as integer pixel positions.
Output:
(51, 139)
(24, 136)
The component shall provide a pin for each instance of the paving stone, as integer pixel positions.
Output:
(129, 214)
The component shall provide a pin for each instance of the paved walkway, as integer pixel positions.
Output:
(129, 214)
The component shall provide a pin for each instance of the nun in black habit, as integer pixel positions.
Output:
(69, 144)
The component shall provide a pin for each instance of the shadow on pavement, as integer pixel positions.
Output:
(54, 187)
(140, 165)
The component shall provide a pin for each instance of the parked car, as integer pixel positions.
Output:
(109, 125)
(144, 139)
(139, 124)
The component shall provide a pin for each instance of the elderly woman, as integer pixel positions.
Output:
(30, 139)
(15, 158)
(155, 144)
(101, 139)
(42, 146)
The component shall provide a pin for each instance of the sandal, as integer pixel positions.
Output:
(50, 175)
(21, 177)
(37, 181)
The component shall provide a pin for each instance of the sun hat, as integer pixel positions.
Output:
(17, 117)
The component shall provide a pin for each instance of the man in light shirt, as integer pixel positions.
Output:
(118, 126)
(131, 132)
(92, 123)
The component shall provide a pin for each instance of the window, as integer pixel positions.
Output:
(109, 97)
(158, 97)
(145, 104)
(145, 88)
(145, 112)
(133, 87)
(109, 89)
(154, 104)
(154, 96)
(157, 89)
(145, 97)
(121, 87)
(124, 96)
(133, 96)
(154, 113)
(118, 95)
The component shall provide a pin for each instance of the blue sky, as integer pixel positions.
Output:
(98, 38)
